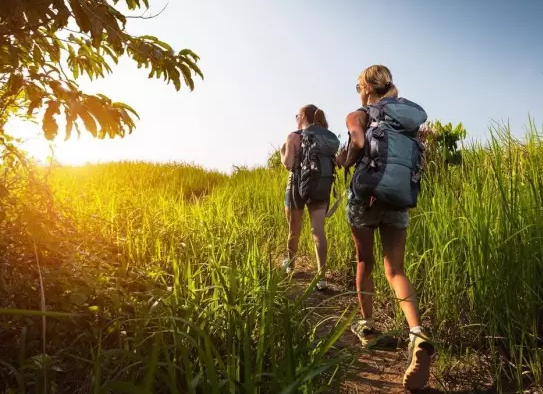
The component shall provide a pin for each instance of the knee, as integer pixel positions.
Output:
(392, 272)
(318, 234)
(366, 261)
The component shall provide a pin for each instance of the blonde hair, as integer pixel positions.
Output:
(314, 115)
(379, 79)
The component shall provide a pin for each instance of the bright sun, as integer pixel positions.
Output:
(76, 151)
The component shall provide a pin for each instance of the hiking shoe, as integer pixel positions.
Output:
(369, 336)
(420, 354)
(322, 285)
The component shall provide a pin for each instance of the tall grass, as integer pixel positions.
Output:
(476, 251)
(181, 293)
(177, 293)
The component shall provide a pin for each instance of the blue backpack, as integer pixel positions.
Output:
(317, 173)
(390, 168)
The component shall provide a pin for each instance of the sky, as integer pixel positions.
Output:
(465, 61)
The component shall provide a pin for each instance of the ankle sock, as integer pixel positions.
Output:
(414, 332)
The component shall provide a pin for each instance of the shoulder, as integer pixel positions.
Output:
(360, 115)
(294, 136)
(294, 139)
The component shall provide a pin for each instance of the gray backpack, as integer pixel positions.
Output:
(390, 168)
(317, 173)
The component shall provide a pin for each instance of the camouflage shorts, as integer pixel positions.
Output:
(361, 216)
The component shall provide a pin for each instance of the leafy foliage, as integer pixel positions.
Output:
(442, 142)
(46, 45)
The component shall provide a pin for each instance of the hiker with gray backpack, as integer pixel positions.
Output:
(309, 155)
(388, 160)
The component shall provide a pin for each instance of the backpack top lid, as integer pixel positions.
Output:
(327, 142)
(406, 115)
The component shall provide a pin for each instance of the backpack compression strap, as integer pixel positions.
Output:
(375, 114)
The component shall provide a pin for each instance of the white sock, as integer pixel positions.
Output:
(414, 332)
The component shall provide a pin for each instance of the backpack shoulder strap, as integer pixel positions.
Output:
(376, 112)
(347, 171)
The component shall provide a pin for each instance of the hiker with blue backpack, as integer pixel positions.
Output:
(309, 155)
(388, 160)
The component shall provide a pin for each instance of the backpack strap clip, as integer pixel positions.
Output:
(374, 135)
(421, 166)
(375, 160)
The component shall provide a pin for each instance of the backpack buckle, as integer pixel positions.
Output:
(377, 133)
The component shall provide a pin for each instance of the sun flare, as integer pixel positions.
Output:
(74, 152)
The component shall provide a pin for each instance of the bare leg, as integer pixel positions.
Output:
(394, 249)
(294, 219)
(318, 214)
(363, 241)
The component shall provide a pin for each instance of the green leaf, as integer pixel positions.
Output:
(33, 61)
(188, 52)
(50, 126)
(37, 54)
(187, 77)
(132, 4)
(126, 107)
(156, 41)
(88, 120)
(15, 83)
(33, 105)
(111, 54)
(70, 120)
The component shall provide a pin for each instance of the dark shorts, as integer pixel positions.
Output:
(293, 200)
(361, 216)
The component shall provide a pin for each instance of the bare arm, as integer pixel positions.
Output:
(356, 123)
(288, 150)
(282, 151)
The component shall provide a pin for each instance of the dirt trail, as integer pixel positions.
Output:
(374, 371)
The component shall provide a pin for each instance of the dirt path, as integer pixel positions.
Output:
(374, 371)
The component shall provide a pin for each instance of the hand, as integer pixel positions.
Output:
(341, 157)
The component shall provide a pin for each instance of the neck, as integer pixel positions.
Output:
(373, 99)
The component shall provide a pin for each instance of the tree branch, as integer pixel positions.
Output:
(142, 16)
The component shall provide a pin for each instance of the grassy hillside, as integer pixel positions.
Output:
(170, 272)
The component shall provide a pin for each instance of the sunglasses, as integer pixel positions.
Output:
(358, 89)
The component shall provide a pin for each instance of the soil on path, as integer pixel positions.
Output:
(373, 371)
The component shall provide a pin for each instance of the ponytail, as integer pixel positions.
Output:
(392, 91)
(314, 115)
(379, 78)
(320, 119)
